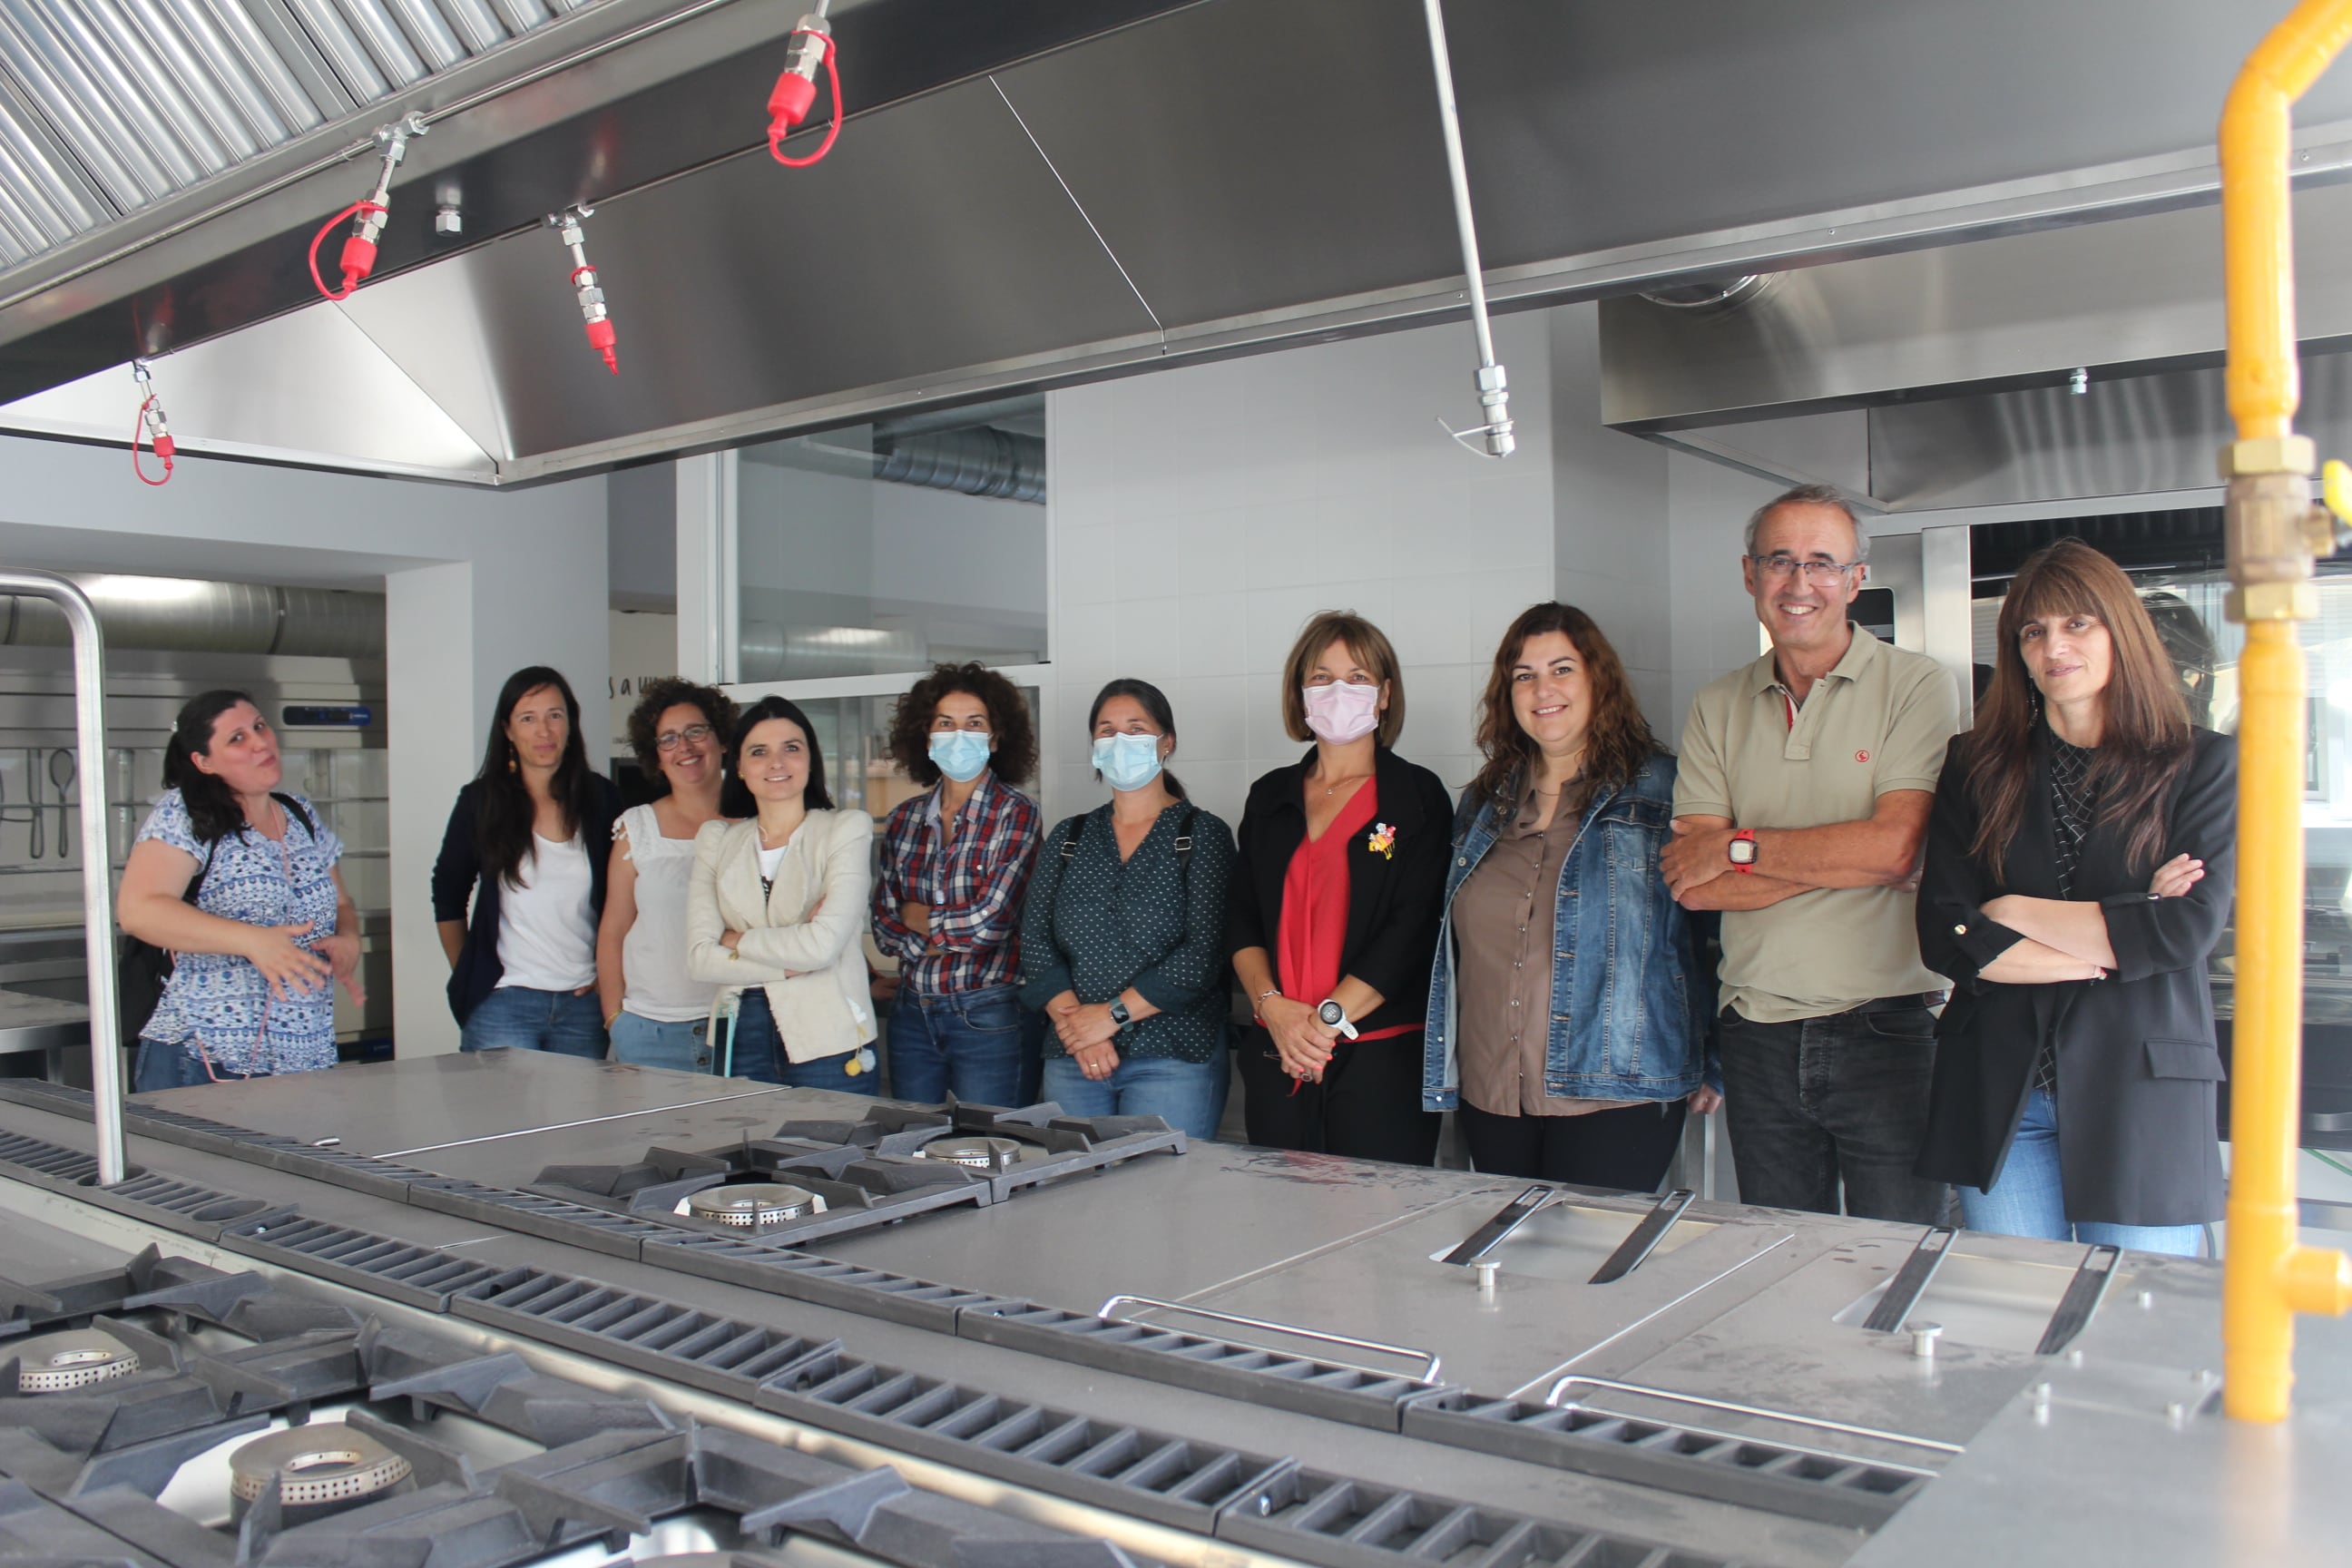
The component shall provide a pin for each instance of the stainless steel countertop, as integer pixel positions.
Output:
(1744, 1306)
(30, 1023)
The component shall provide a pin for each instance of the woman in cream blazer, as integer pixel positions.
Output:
(775, 912)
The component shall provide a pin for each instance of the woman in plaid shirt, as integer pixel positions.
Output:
(947, 904)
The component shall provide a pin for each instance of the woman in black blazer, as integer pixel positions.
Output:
(1334, 908)
(2080, 863)
(527, 843)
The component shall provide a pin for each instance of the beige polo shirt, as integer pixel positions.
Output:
(1879, 721)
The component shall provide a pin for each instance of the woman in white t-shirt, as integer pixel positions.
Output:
(522, 957)
(655, 1012)
(776, 909)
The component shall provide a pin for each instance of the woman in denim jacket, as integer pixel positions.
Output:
(1566, 1019)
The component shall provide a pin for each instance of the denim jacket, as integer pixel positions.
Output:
(1628, 1015)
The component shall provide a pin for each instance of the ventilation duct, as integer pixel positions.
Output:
(172, 614)
(982, 461)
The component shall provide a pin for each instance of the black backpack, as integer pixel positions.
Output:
(141, 970)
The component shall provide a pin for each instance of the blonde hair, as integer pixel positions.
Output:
(1372, 651)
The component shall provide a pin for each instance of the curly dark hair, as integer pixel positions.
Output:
(1013, 756)
(656, 697)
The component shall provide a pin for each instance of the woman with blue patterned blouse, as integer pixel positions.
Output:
(237, 881)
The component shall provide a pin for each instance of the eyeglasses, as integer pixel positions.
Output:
(696, 734)
(1820, 573)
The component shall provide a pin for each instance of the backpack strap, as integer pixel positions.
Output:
(295, 809)
(1072, 832)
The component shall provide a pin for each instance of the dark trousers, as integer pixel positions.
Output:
(1368, 1106)
(1843, 1098)
(1627, 1149)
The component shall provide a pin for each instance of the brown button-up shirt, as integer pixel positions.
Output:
(1503, 919)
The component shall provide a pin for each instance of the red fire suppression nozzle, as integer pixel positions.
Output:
(584, 281)
(368, 216)
(151, 423)
(809, 50)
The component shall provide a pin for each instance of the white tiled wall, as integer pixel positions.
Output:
(1201, 515)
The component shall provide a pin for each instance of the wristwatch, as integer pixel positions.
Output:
(1120, 1014)
(1742, 850)
(1335, 1017)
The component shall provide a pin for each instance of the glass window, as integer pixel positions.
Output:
(893, 546)
(853, 734)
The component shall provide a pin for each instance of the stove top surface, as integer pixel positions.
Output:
(160, 1412)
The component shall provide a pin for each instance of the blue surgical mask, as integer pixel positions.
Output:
(962, 755)
(1127, 762)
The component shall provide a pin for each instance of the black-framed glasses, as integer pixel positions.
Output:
(1820, 573)
(672, 740)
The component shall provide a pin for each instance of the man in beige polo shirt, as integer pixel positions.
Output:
(1800, 809)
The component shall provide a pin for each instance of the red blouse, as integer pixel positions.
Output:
(1315, 909)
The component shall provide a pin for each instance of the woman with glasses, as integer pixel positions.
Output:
(774, 911)
(1333, 918)
(1566, 1025)
(947, 903)
(522, 959)
(2080, 864)
(655, 1011)
(1122, 940)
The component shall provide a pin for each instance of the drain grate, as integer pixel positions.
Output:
(1325, 1389)
(821, 1281)
(1801, 1483)
(414, 1276)
(1170, 1480)
(192, 1210)
(1343, 1524)
(721, 1354)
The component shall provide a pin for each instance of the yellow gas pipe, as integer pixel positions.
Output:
(2275, 533)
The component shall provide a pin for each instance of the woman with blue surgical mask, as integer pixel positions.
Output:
(947, 904)
(1122, 944)
(1335, 908)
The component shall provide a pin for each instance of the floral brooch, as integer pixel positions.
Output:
(1381, 840)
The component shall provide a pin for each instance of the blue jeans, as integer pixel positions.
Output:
(650, 1043)
(528, 1020)
(173, 1065)
(1817, 1105)
(966, 1042)
(1187, 1096)
(759, 1055)
(2028, 1197)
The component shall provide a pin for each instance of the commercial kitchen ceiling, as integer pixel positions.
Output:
(1019, 202)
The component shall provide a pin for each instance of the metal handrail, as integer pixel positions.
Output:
(96, 870)
(1428, 1375)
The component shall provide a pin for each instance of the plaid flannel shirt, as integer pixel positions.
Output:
(974, 891)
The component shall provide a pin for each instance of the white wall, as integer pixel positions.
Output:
(1200, 516)
(476, 583)
(1713, 626)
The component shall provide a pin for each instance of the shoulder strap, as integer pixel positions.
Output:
(295, 809)
(1184, 836)
(196, 883)
(1072, 831)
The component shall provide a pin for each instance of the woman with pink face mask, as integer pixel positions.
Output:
(1333, 911)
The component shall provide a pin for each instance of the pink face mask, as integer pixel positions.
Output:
(1342, 711)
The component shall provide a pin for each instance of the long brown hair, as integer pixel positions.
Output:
(1617, 739)
(2143, 743)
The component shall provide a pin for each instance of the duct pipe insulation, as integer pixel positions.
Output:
(172, 614)
(978, 461)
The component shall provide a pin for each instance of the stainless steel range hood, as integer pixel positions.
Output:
(1021, 201)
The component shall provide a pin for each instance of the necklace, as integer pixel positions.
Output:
(1333, 788)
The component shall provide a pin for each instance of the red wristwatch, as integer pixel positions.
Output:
(1742, 850)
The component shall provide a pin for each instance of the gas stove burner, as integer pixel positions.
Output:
(979, 1153)
(321, 1468)
(52, 1364)
(749, 1204)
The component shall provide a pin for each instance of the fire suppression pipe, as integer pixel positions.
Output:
(2275, 533)
(369, 216)
(809, 48)
(1494, 385)
(152, 425)
(601, 337)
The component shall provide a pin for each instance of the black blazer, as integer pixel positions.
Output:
(2138, 1064)
(457, 873)
(1394, 900)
